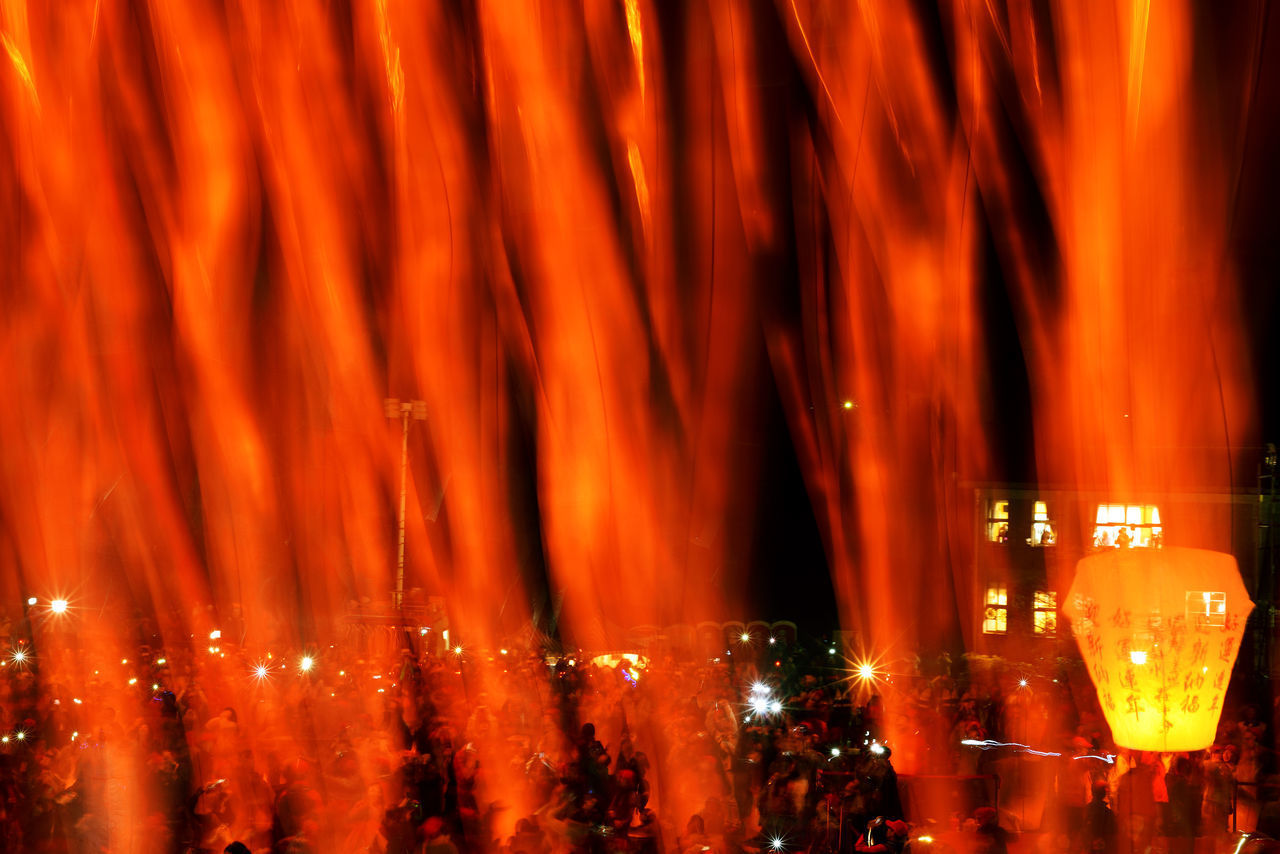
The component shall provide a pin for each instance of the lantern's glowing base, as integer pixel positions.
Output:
(1159, 630)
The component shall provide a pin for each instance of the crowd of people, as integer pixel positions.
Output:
(454, 752)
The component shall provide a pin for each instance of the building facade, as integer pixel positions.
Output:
(1028, 541)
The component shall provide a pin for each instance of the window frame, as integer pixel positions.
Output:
(1210, 615)
(1040, 522)
(995, 519)
(1044, 603)
(995, 608)
(1110, 518)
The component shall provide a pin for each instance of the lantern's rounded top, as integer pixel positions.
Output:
(1156, 579)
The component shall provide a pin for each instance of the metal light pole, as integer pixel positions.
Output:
(404, 410)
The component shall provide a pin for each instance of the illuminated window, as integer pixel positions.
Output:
(998, 521)
(1133, 526)
(1206, 608)
(995, 616)
(1045, 613)
(1043, 532)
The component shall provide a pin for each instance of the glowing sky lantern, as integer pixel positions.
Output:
(1159, 630)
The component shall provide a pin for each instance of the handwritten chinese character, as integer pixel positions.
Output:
(1228, 649)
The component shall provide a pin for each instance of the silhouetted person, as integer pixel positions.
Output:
(1186, 793)
(1136, 803)
(1100, 822)
(990, 837)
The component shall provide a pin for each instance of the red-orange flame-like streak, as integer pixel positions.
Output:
(294, 215)
(629, 267)
(583, 318)
(631, 534)
(446, 330)
(888, 412)
(238, 227)
(1139, 378)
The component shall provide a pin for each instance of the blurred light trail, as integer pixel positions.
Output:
(989, 744)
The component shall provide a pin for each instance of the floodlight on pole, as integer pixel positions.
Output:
(404, 410)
